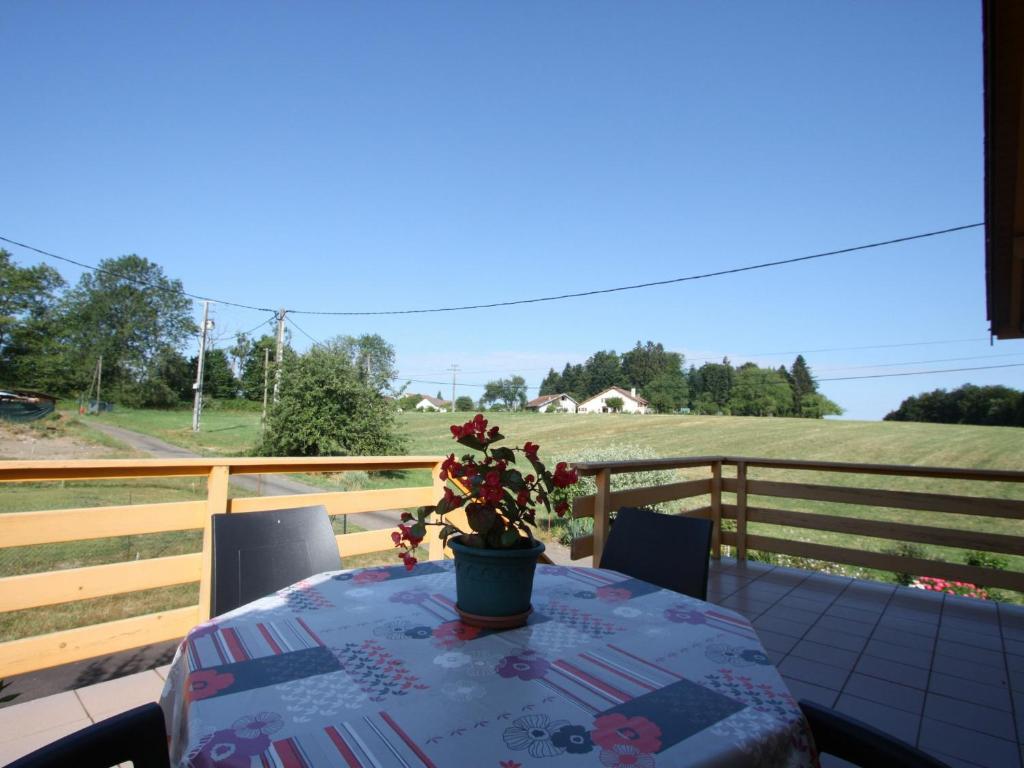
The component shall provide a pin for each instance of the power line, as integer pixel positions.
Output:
(670, 281)
(917, 362)
(296, 326)
(922, 373)
(559, 297)
(130, 279)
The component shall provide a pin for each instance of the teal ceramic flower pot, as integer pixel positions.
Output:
(493, 586)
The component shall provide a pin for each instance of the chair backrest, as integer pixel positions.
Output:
(856, 742)
(258, 553)
(667, 550)
(137, 736)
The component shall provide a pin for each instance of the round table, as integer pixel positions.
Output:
(372, 667)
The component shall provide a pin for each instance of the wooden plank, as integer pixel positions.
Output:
(930, 502)
(19, 529)
(587, 468)
(581, 547)
(32, 471)
(37, 589)
(989, 475)
(435, 547)
(602, 511)
(990, 577)
(741, 511)
(42, 651)
(217, 484)
(341, 502)
(882, 529)
(639, 497)
(350, 544)
(716, 510)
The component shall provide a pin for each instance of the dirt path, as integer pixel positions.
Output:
(263, 485)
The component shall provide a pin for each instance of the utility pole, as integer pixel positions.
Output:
(197, 406)
(454, 368)
(99, 382)
(266, 379)
(279, 354)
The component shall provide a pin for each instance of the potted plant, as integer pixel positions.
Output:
(495, 559)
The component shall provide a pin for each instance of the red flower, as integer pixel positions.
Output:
(530, 449)
(452, 500)
(204, 683)
(637, 732)
(564, 476)
(409, 560)
(450, 467)
(493, 478)
(523, 498)
(561, 508)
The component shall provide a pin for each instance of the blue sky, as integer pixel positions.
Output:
(361, 157)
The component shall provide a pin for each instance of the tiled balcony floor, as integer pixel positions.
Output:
(945, 673)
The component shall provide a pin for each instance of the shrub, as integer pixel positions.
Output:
(586, 486)
(906, 550)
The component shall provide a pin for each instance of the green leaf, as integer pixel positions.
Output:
(513, 479)
(504, 454)
(419, 530)
(471, 441)
(509, 537)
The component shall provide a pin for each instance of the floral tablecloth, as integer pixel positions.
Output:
(373, 668)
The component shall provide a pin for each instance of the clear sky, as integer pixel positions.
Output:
(377, 156)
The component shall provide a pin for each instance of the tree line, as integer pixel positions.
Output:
(717, 388)
(996, 406)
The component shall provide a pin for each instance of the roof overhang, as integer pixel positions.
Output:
(1003, 25)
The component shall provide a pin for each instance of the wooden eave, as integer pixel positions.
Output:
(1003, 25)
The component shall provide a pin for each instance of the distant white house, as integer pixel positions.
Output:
(631, 402)
(429, 403)
(549, 403)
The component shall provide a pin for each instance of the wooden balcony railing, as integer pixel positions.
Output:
(34, 590)
(742, 486)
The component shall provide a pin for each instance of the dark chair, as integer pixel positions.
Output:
(667, 550)
(137, 735)
(258, 553)
(861, 744)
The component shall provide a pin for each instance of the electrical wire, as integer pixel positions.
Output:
(130, 279)
(517, 302)
(923, 373)
(652, 284)
(299, 329)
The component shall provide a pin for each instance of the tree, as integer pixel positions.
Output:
(816, 406)
(760, 392)
(575, 382)
(251, 379)
(371, 356)
(510, 392)
(218, 379)
(325, 408)
(129, 312)
(603, 370)
(552, 384)
(968, 404)
(717, 379)
(26, 294)
(239, 353)
(668, 392)
(644, 363)
(615, 404)
(802, 382)
(464, 403)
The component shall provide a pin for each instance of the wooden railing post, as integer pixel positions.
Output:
(741, 510)
(435, 546)
(602, 504)
(716, 510)
(216, 503)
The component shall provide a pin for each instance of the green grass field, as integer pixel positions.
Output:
(561, 436)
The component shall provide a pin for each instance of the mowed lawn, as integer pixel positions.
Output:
(566, 436)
